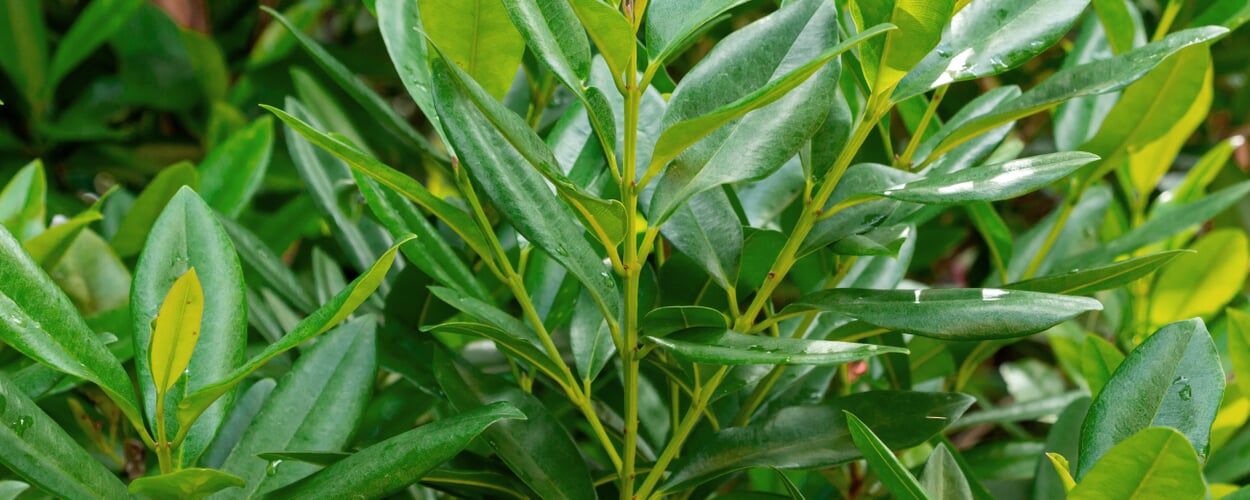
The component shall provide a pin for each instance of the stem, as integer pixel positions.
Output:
(681, 433)
(162, 441)
(632, 266)
(1064, 213)
(904, 161)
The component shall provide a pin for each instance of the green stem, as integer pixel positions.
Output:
(681, 433)
(1165, 20)
(1065, 212)
(632, 265)
(917, 137)
(162, 441)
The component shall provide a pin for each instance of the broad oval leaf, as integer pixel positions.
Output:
(1097, 279)
(881, 460)
(391, 465)
(187, 236)
(673, 24)
(1153, 463)
(662, 321)
(1201, 284)
(707, 230)
(817, 435)
(176, 332)
(191, 484)
(988, 37)
(479, 36)
(951, 313)
(34, 447)
(999, 181)
(1173, 379)
(727, 347)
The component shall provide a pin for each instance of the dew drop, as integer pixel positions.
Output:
(272, 469)
(20, 425)
(1187, 393)
(562, 251)
(943, 52)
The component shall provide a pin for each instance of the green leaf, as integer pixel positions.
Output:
(389, 466)
(240, 418)
(662, 321)
(1092, 78)
(191, 484)
(268, 267)
(890, 471)
(521, 194)
(457, 219)
(323, 319)
(1063, 440)
(858, 218)
(316, 406)
(1239, 347)
(186, 236)
(886, 61)
(488, 314)
(994, 232)
(232, 173)
(373, 104)
(990, 37)
(47, 328)
(23, 202)
(942, 478)
(50, 246)
(1116, 17)
(35, 448)
(611, 32)
(134, 227)
(674, 24)
(551, 29)
(1179, 219)
(399, 22)
(727, 347)
(176, 331)
(1099, 360)
(999, 181)
(1077, 120)
(1164, 108)
(1228, 13)
(507, 341)
(706, 229)
(816, 436)
(479, 37)
(951, 313)
(1097, 279)
(1201, 284)
(9, 489)
(590, 339)
(96, 24)
(1173, 379)
(887, 240)
(322, 458)
(24, 50)
(1153, 463)
(537, 449)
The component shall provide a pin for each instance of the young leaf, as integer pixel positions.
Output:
(727, 347)
(611, 32)
(1153, 463)
(952, 314)
(176, 332)
(537, 449)
(1000, 181)
(34, 447)
(232, 173)
(1173, 379)
(23, 202)
(186, 236)
(191, 484)
(1097, 279)
(1201, 284)
(886, 60)
(389, 466)
(479, 36)
(316, 406)
(890, 471)
(134, 227)
(1062, 469)
(990, 37)
(817, 436)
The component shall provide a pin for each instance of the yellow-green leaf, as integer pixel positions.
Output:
(1201, 284)
(1061, 467)
(1239, 347)
(177, 330)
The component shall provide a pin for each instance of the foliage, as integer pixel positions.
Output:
(664, 248)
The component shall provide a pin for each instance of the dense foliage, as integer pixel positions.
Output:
(639, 249)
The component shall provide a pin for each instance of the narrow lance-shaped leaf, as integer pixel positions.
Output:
(23, 202)
(952, 313)
(49, 246)
(329, 315)
(24, 48)
(176, 332)
(890, 471)
(943, 479)
(387, 467)
(995, 182)
(95, 25)
(611, 32)
(1097, 279)
(134, 227)
(727, 347)
(232, 173)
(398, 21)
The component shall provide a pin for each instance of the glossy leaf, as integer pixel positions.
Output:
(1202, 283)
(1116, 17)
(890, 471)
(674, 24)
(330, 314)
(706, 230)
(50, 246)
(952, 314)
(1153, 462)
(1097, 279)
(479, 37)
(232, 173)
(506, 341)
(591, 341)
(1099, 360)
(34, 447)
(995, 233)
(1092, 78)
(1077, 120)
(727, 347)
(1173, 379)
(1062, 470)
(537, 449)
(245, 408)
(858, 218)
(399, 22)
(521, 193)
(990, 37)
(943, 479)
(133, 229)
(995, 182)
(177, 328)
(662, 321)
(186, 236)
(192, 484)
(817, 436)
(316, 406)
(549, 28)
(98, 22)
(269, 267)
(611, 32)
(886, 61)
(23, 201)
(391, 465)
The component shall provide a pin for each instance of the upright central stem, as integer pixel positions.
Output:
(632, 268)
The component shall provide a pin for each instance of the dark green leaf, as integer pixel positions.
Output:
(1173, 379)
(856, 219)
(389, 466)
(952, 313)
(232, 173)
(890, 471)
(1099, 360)
(1064, 439)
(1097, 279)
(662, 321)
(96, 24)
(727, 347)
(24, 49)
(191, 484)
(133, 229)
(590, 339)
(240, 418)
(268, 266)
(706, 230)
(673, 24)
(399, 20)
